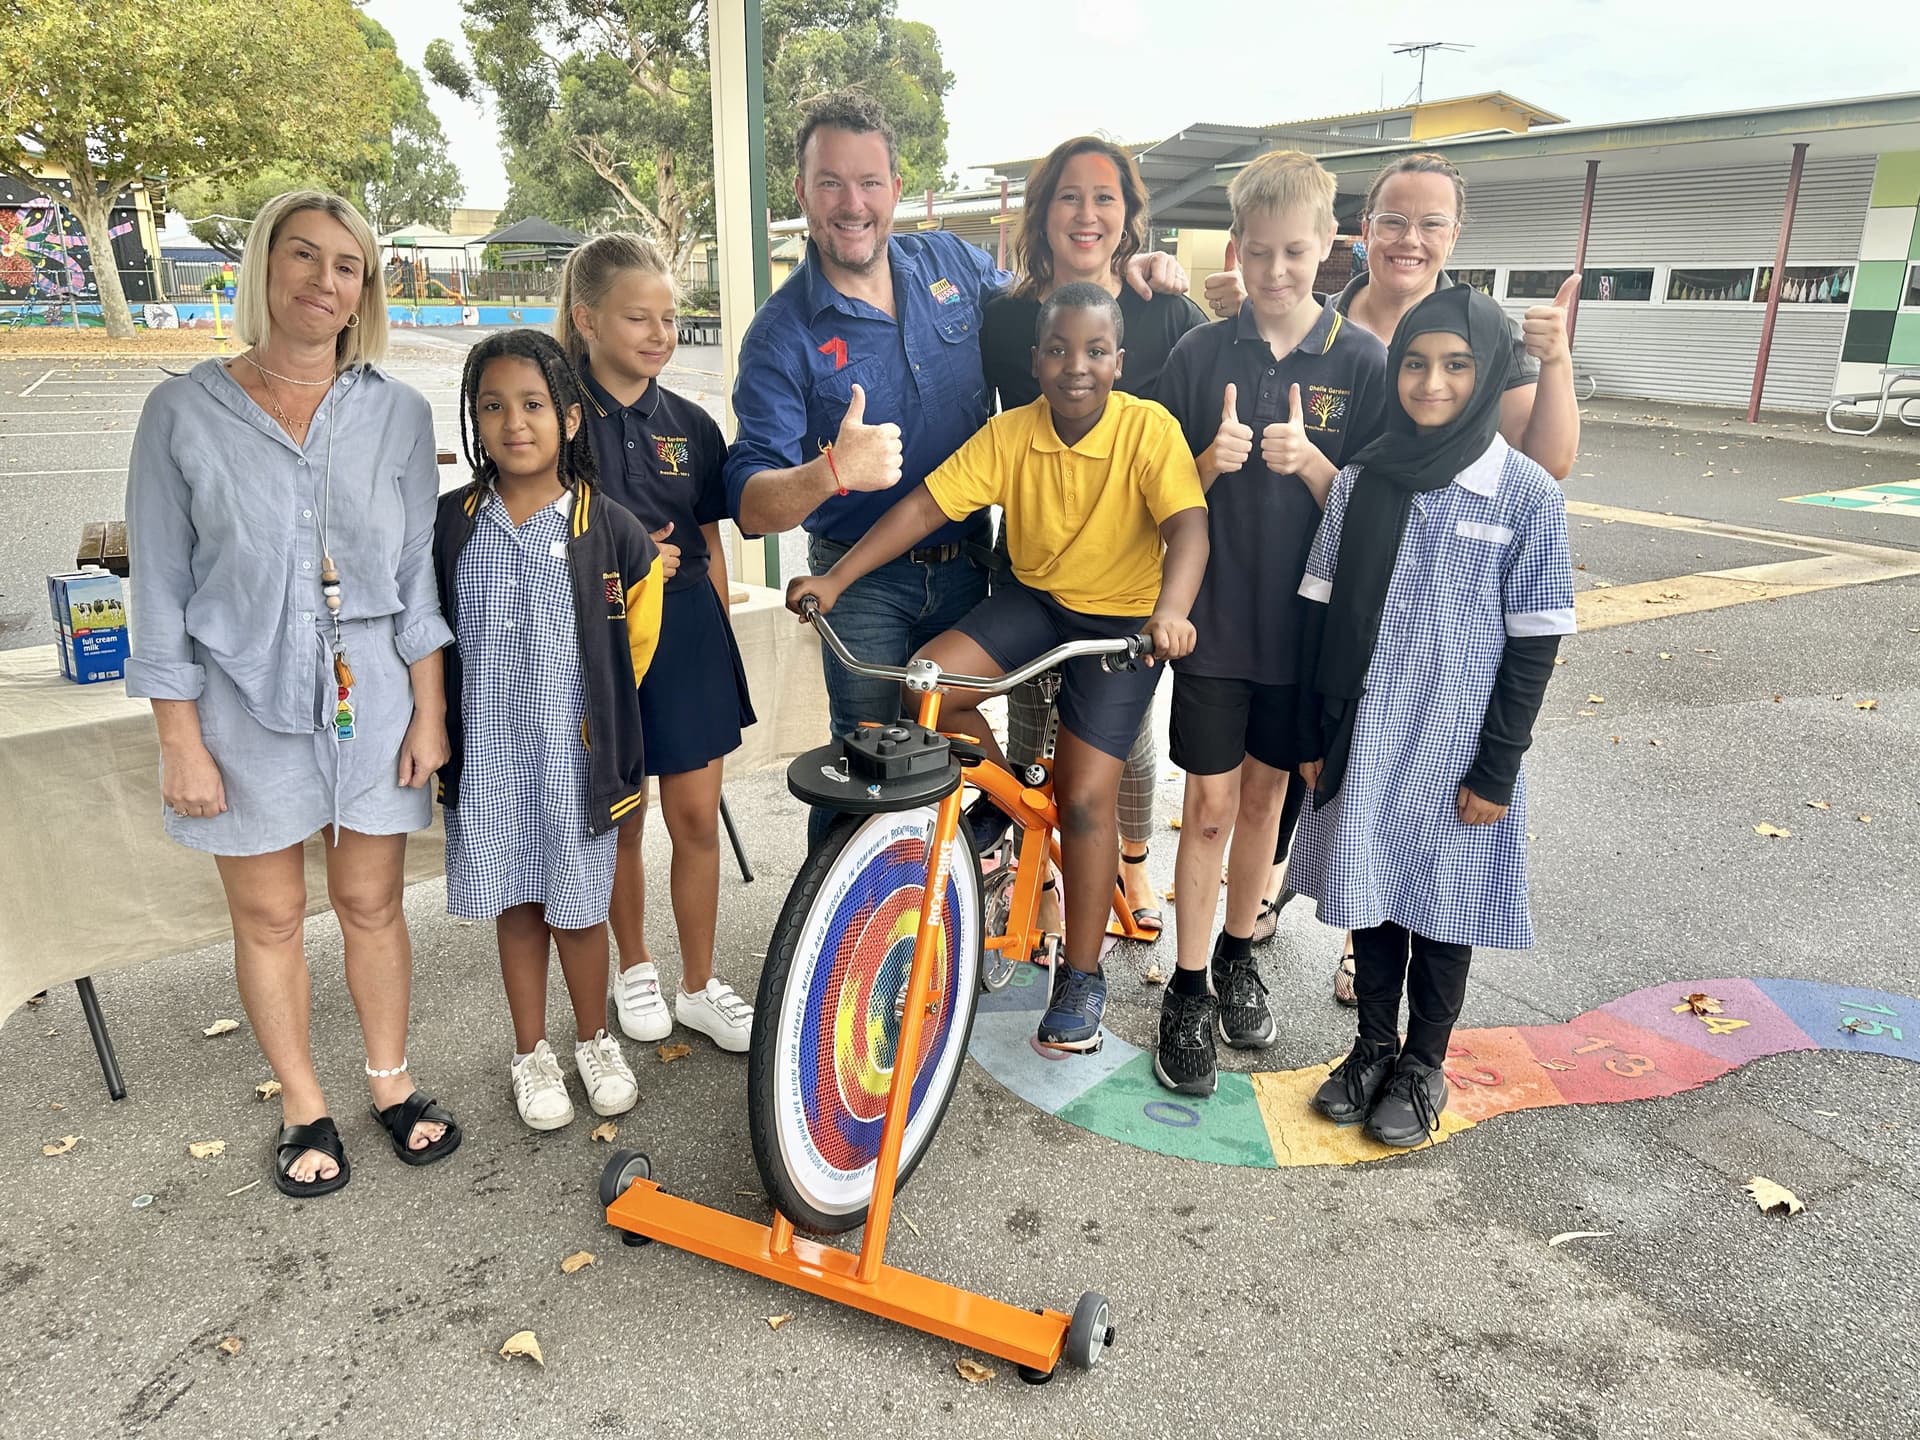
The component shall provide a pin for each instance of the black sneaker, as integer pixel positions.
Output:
(1408, 1110)
(986, 823)
(1245, 1021)
(1347, 1095)
(1184, 1062)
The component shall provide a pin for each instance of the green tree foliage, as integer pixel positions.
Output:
(400, 176)
(104, 93)
(605, 111)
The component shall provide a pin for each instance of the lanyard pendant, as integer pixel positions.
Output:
(343, 727)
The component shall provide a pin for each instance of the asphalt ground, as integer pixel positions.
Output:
(1413, 1297)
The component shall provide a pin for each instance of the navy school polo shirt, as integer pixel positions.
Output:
(1152, 328)
(1261, 525)
(920, 369)
(1522, 370)
(661, 458)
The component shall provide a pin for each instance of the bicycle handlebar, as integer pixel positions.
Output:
(1117, 654)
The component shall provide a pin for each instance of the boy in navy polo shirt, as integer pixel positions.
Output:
(1273, 402)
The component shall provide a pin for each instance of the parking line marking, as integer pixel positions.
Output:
(43, 474)
(36, 384)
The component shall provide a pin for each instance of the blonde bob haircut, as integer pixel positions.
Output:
(361, 344)
(591, 271)
(1282, 180)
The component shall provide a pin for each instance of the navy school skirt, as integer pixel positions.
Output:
(693, 698)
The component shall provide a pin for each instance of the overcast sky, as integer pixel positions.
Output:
(1028, 73)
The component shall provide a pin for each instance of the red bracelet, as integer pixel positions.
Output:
(827, 450)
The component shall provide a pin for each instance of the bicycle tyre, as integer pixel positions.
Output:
(821, 1058)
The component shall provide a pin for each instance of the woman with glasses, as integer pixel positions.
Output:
(1414, 211)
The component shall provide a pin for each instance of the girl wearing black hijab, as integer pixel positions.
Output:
(1443, 585)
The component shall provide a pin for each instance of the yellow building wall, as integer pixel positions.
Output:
(1464, 117)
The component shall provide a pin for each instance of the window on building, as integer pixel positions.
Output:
(1710, 284)
(1617, 284)
(1809, 284)
(1481, 280)
(1535, 284)
(1912, 297)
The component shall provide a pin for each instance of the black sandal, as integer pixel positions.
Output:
(295, 1141)
(1147, 917)
(417, 1109)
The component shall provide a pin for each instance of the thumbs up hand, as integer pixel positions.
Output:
(669, 554)
(1285, 448)
(1232, 442)
(866, 457)
(1543, 329)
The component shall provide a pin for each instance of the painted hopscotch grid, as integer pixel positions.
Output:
(1901, 497)
(1644, 1046)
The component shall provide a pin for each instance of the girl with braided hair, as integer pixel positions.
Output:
(554, 600)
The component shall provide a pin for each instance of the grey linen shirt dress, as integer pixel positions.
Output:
(224, 516)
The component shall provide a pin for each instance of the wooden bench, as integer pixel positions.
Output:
(103, 543)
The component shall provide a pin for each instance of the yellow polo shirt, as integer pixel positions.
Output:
(1083, 521)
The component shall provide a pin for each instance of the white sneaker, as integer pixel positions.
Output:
(611, 1088)
(717, 1013)
(540, 1090)
(640, 1005)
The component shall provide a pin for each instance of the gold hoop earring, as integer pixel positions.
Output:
(353, 321)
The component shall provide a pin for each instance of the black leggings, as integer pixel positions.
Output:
(1290, 809)
(1388, 959)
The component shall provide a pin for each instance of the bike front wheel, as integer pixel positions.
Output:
(827, 1023)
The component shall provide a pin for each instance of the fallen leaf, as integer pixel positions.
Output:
(1559, 659)
(774, 1322)
(579, 1260)
(1699, 1003)
(1588, 713)
(1866, 704)
(221, 1027)
(266, 1090)
(1581, 566)
(1168, 893)
(1654, 743)
(1603, 584)
(1555, 1065)
(1614, 738)
(1818, 805)
(1564, 1236)
(971, 1370)
(1173, 822)
(524, 1342)
(1864, 819)
(34, 1002)
(605, 1131)
(1770, 1195)
(1666, 655)
(671, 1053)
(1772, 832)
(207, 1149)
(1778, 698)
(1596, 699)
(232, 1345)
(1153, 976)
(60, 1146)
(55, 1105)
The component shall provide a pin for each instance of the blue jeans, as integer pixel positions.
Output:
(885, 617)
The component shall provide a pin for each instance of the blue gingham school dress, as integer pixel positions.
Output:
(1482, 559)
(521, 833)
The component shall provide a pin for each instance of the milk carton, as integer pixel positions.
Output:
(90, 624)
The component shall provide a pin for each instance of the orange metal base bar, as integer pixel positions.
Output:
(1026, 1337)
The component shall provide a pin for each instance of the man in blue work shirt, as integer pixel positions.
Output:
(861, 372)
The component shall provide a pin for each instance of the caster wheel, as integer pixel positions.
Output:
(622, 1169)
(1090, 1333)
(627, 1237)
(1033, 1376)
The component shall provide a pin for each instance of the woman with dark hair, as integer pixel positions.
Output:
(287, 631)
(1084, 218)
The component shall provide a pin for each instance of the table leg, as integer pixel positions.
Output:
(102, 1042)
(733, 836)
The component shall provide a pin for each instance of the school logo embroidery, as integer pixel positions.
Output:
(945, 291)
(616, 597)
(1325, 405)
(673, 454)
(836, 351)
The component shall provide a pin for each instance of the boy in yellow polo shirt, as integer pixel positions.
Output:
(1107, 531)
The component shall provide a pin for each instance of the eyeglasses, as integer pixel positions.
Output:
(1433, 228)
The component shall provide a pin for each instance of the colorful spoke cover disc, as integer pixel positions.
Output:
(1654, 1042)
(840, 1027)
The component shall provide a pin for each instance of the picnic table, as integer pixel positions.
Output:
(1891, 377)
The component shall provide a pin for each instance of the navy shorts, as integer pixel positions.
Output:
(693, 698)
(1216, 723)
(1103, 708)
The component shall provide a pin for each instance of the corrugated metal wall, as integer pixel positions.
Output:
(1694, 351)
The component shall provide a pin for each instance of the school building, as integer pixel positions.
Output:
(1675, 223)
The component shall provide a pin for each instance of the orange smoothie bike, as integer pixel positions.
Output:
(864, 1011)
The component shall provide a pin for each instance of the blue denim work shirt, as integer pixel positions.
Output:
(224, 538)
(810, 345)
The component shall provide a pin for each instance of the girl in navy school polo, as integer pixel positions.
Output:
(660, 455)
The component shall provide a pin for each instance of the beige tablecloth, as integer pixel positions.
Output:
(89, 881)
